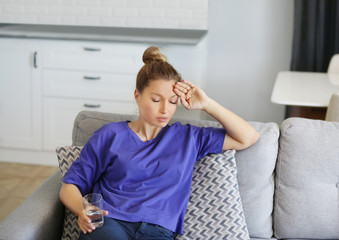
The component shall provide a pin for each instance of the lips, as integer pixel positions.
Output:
(162, 119)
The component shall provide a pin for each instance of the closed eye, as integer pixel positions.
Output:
(174, 100)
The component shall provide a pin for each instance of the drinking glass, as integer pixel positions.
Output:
(93, 207)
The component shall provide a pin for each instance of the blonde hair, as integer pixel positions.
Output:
(156, 67)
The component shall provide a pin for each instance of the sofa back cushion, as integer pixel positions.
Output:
(255, 165)
(307, 189)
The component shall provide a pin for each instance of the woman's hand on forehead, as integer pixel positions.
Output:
(191, 96)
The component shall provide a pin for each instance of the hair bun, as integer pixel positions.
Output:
(153, 54)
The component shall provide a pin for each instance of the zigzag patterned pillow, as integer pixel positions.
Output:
(66, 156)
(214, 209)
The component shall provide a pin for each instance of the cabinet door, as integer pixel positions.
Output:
(59, 115)
(20, 95)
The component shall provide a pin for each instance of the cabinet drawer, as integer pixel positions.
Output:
(95, 57)
(94, 85)
(59, 115)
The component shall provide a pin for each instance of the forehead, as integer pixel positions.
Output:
(161, 87)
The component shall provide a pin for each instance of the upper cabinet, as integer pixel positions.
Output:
(158, 21)
(157, 14)
(20, 94)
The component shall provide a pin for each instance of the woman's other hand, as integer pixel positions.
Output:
(84, 222)
(71, 197)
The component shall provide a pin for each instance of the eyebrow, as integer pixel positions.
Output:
(162, 96)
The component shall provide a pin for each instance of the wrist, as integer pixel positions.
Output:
(208, 105)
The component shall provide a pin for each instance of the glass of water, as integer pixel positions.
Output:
(93, 207)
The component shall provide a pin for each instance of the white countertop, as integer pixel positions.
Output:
(174, 36)
(304, 88)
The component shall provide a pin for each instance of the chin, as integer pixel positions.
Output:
(161, 124)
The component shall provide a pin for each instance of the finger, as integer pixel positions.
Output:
(185, 103)
(86, 224)
(182, 89)
(191, 85)
(83, 228)
(105, 213)
(183, 86)
(89, 228)
(190, 93)
(89, 225)
(179, 92)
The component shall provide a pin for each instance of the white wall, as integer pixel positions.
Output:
(248, 43)
(236, 63)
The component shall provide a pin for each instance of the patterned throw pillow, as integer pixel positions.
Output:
(215, 210)
(66, 156)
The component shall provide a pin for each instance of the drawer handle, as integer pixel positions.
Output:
(92, 105)
(92, 78)
(92, 49)
(35, 59)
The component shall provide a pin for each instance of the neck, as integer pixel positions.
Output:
(144, 131)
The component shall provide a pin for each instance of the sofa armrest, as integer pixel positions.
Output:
(40, 216)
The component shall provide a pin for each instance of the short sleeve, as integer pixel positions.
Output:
(87, 170)
(210, 140)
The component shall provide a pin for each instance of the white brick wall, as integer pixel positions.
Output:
(179, 14)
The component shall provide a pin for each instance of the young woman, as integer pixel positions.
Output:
(143, 169)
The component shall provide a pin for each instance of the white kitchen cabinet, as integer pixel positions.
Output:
(20, 94)
(45, 83)
(59, 115)
(80, 76)
(86, 84)
(94, 56)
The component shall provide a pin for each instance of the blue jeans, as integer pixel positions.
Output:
(114, 229)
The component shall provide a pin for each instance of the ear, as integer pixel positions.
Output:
(136, 96)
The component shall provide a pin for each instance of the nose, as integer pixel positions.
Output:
(164, 107)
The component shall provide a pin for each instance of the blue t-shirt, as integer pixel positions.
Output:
(143, 181)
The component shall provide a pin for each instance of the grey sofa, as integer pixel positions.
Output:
(288, 181)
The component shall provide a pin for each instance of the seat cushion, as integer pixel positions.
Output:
(307, 180)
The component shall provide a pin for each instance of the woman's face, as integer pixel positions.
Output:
(157, 103)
